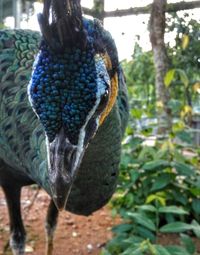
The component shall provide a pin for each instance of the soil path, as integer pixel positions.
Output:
(74, 234)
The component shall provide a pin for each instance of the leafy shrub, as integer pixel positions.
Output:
(158, 192)
(159, 175)
(159, 185)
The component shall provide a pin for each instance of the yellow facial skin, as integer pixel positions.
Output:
(113, 90)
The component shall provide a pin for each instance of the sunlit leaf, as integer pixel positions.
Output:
(185, 41)
(136, 113)
(168, 145)
(196, 87)
(178, 126)
(159, 104)
(186, 111)
(169, 77)
(156, 197)
(152, 249)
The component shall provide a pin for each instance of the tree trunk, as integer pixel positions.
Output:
(157, 31)
(99, 9)
(17, 10)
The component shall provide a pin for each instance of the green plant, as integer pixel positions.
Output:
(158, 192)
(137, 246)
(140, 78)
(159, 184)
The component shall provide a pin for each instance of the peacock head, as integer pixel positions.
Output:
(70, 91)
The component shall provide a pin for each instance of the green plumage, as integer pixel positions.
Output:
(22, 138)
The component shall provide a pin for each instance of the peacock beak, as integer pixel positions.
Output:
(64, 161)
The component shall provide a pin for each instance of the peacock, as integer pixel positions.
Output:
(63, 113)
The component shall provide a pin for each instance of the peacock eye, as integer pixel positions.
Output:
(103, 101)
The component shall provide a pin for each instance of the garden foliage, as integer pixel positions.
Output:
(159, 187)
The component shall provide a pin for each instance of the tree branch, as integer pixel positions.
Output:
(174, 7)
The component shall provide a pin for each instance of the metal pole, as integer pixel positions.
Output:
(17, 11)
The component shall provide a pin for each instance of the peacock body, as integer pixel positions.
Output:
(62, 86)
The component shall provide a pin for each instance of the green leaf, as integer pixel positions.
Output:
(126, 159)
(135, 250)
(161, 182)
(156, 197)
(129, 199)
(135, 142)
(170, 217)
(188, 243)
(146, 233)
(183, 77)
(196, 228)
(176, 250)
(105, 252)
(134, 176)
(195, 191)
(176, 227)
(175, 105)
(178, 126)
(183, 169)
(133, 239)
(122, 228)
(180, 197)
(149, 208)
(185, 41)
(184, 136)
(146, 151)
(156, 165)
(196, 205)
(152, 248)
(169, 77)
(143, 220)
(136, 113)
(172, 209)
(161, 250)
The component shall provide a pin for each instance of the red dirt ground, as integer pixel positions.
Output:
(74, 235)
